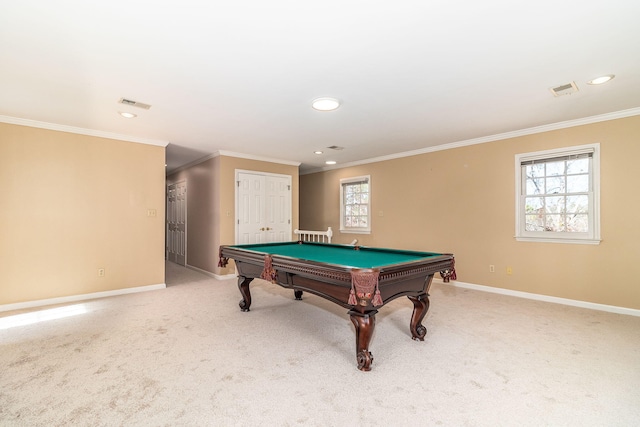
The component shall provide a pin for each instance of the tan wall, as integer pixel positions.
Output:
(211, 205)
(73, 204)
(463, 200)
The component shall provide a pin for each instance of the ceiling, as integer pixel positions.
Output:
(239, 77)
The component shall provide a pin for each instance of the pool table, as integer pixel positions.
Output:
(360, 279)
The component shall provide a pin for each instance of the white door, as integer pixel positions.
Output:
(278, 208)
(263, 208)
(177, 222)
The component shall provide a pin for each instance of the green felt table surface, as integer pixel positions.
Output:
(341, 255)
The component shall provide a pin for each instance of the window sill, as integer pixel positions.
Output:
(552, 240)
(352, 231)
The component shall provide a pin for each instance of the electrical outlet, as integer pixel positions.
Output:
(492, 268)
(101, 272)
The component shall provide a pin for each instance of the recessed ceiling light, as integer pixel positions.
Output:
(330, 162)
(325, 104)
(317, 152)
(600, 80)
(127, 115)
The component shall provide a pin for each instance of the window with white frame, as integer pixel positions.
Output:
(355, 204)
(557, 196)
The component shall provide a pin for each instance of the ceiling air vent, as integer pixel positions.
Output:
(126, 101)
(567, 89)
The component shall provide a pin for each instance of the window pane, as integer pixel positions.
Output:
(554, 223)
(533, 171)
(578, 204)
(535, 186)
(555, 185)
(363, 222)
(578, 184)
(364, 210)
(533, 204)
(555, 168)
(554, 204)
(534, 223)
(578, 223)
(578, 166)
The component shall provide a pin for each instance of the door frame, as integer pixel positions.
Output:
(236, 181)
(167, 217)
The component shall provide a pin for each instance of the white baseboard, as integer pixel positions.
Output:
(546, 298)
(225, 276)
(81, 297)
(210, 274)
(482, 288)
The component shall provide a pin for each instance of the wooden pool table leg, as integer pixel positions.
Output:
(243, 285)
(364, 323)
(420, 308)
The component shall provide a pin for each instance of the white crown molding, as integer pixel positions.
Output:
(81, 131)
(491, 138)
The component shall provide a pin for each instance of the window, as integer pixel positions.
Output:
(355, 205)
(558, 195)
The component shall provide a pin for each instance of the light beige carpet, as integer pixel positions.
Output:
(187, 356)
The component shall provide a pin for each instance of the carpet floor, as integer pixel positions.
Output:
(187, 356)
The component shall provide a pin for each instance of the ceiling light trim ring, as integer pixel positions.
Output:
(601, 79)
(325, 104)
